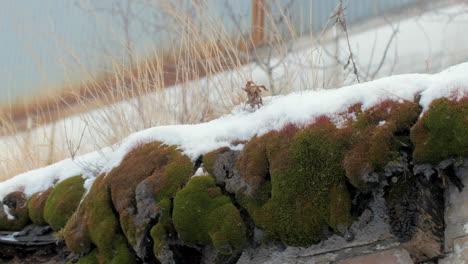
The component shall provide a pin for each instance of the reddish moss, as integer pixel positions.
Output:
(238, 142)
(442, 132)
(291, 129)
(376, 138)
(17, 216)
(36, 206)
(253, 163)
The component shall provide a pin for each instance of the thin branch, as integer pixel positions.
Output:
(341, 21)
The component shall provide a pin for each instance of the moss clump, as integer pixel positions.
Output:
(108, 218)
(340, 201)
(377, 136)
(63, 201)
(163, 229)
(36, 206)
(165, 171)
(17, 215)
(96, 224)
(203, 216)
(253, 165)
(442, 131)
(304, 166)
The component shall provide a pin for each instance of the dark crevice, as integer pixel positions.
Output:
(186, 255)
(403, 208)
(452, 176)
(149, 254)
(359, 200)
(198, 162)
(227, 173)
(246, 218)
(268, 179)
(229, 259)
(172, 234)
(117, 216)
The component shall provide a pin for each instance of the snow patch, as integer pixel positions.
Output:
(300, 108)
(88, 183)
(200, 172)
(8, 238)
(6, 209)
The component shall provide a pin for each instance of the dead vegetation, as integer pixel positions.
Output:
(254, 94)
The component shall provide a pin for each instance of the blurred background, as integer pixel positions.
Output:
(79, 75)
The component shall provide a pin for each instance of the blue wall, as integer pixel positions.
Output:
(51, 43)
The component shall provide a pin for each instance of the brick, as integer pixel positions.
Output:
(392, 256)
(459, 254)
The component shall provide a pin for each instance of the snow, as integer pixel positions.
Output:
(424, 43)
(300, 108)
(200, 172)
(9, 237)
(6, 209)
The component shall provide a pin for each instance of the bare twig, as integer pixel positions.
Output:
(341, 21)
(387, 47)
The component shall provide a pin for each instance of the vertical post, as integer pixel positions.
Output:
(258, 21)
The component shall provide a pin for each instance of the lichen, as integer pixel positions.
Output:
(203, 216)
(441, 132)
(36, 206)
(17, 215)
(304, 166)
(63, 201)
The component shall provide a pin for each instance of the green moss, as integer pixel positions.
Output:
(16, 203)
(36, 206)
(304, 167)
(163, 167)
(376, 138)
(163, 228)
(96, 224)
(339, 208)
(107, 217)
(442, 131)
(76, 232)
(91, 258)
(201, 217)
(63, 201)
